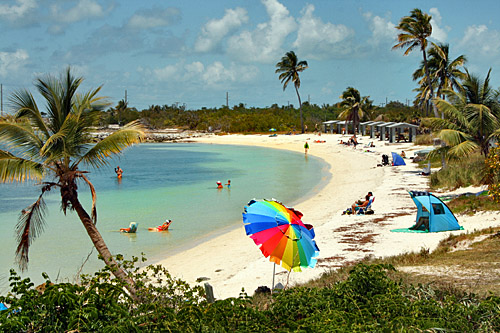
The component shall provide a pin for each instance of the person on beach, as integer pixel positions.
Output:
(165, 225)
(118, 171)
(403, 154)
(306, 147)
(228, 183)
(219, 185)
(359, 205)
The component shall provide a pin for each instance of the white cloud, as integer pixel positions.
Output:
(383, 30)
(12, 61)
(17, 11)
(319, 40)
(154, 17)
(478, 39)
(264, 43)
(437, 32)
(196, 72)
(215, 30)
(83, 9)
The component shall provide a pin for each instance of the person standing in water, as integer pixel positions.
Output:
(306, 147)
(219, 185)
(228, 183)
(119, 172)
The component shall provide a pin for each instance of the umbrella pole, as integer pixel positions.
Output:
(274, 270)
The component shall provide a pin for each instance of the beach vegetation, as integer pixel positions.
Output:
(459, 173)
(369, 297)
(415, 30)
(472, 118)
(354, 106)
(492, 177)
(52, 149)
(445, 74)
(289, 68)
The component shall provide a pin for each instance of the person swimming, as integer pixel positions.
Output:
(118, 171)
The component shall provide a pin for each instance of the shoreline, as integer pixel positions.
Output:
(231, 261)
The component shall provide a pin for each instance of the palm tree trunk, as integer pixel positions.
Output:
(300, 108)
(434, 108)
(101, 246)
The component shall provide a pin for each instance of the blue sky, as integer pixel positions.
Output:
(193, 52)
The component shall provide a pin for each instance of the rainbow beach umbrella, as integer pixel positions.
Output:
(280, 234)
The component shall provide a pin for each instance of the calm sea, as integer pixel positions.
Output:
(174, 181)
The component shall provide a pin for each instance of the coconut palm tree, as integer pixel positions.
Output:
(353, 105)
(473, 117)
(290, 67)
(416, 28)
(444, 73)
(52, 150)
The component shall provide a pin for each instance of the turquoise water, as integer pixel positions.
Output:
(174, 181)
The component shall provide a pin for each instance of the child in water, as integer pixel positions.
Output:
(219, 184)
(228, 183)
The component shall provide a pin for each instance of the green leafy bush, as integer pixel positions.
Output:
(368, 300)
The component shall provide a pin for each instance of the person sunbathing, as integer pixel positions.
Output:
(357, 205)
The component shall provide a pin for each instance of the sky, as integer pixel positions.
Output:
(197, 53)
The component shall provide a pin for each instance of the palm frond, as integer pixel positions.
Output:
(25, 105)
(13, 168)
(29, 226)
(132, 133)
(21, 137)
(454, 137)
(463, 149)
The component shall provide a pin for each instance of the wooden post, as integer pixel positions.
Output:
(209, 291)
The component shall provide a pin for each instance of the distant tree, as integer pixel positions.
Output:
(52, 150)
(352, 103)
(290, 67)
(416, 28)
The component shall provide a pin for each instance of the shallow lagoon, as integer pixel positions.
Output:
(175, 181)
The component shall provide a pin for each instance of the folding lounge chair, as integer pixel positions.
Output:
(364, 210)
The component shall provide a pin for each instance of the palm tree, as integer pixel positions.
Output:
(444, 73)
(51, 150)
(290, 67)
(416, 28)
(473, 117)
(353, 106)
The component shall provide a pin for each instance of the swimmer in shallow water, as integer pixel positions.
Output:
(118, 171)
(228, 183)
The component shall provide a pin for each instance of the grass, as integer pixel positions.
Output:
(463, 173)
(471, 270)
(471, 204)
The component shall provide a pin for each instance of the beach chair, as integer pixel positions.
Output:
(427, 170)
(368, 209)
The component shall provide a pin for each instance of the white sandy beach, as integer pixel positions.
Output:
(232, 261)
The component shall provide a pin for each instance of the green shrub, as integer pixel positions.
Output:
(460, 173)
(367, 300)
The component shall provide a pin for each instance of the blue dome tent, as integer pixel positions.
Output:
(440, 217)
(397, 160)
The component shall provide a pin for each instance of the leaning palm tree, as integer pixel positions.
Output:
(290, 67)
(353, 105)
(473, 118)
(416, 28)
(52, 150)
(445, 73)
